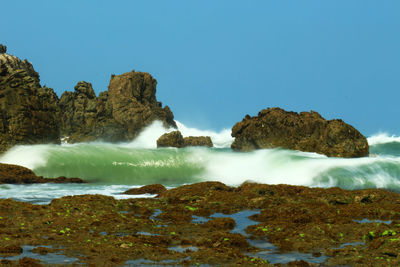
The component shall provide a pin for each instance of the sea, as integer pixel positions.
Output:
(112, 168)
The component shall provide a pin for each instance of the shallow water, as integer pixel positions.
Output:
(49, 258)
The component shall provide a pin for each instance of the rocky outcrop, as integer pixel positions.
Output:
(175, 139)
(197, 141)
(132, 97)
(172, 139)
(117, 115)
(28, 111)
(31, 114)
(307, 131)
(14, 174)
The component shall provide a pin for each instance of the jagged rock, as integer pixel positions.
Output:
(28, 112)
(134, 104)
(14, 174)
(172, 139)
(117, 115)
(307, 131)
(31, 114)
(198, 141)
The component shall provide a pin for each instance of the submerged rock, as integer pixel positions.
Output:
(175, 139)
(305, 131)
(28, 111)
(14, 174)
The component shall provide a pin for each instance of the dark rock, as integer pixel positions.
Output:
(14, 174)
(172, 139)
(3, 49)
(307, 131)
(198, 141)
(147, 189)
(28, 112)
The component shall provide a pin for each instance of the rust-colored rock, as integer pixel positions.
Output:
(14, 174)
(198, 141)
(305, 131)
(147, 189)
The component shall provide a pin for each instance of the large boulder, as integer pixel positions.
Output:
(172, 139)
(305, 131)
(119, 114)
(28, 111)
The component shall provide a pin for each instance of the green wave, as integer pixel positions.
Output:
(108, 164)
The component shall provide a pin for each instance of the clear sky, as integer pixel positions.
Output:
(216, 61)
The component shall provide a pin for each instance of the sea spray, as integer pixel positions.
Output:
(139, 163)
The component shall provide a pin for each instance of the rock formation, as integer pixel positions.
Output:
(31, 114)
(175, 139)
(28, 111)
(307, 131)
(117, 115)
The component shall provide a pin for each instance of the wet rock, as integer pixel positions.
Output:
(28, 111)
(172, 139)
(305, 131)
(14, 174)
(147, 189)
(197, 141)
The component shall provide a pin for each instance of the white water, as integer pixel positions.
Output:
(141, 158)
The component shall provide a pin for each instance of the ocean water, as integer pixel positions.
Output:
(114, 168)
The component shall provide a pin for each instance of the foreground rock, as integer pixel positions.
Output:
(175, 139)
(183, 227)
(147, 189)
(14, 174)
(28, 111)
(305, 131)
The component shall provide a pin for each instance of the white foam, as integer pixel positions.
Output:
(220, 139)
(382, 138)
(148, 137)
(29, 156)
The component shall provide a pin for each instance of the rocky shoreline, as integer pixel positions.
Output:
(208, 224)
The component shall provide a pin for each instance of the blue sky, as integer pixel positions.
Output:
(216, 61)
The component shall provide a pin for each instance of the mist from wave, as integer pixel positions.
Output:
(139, 163)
